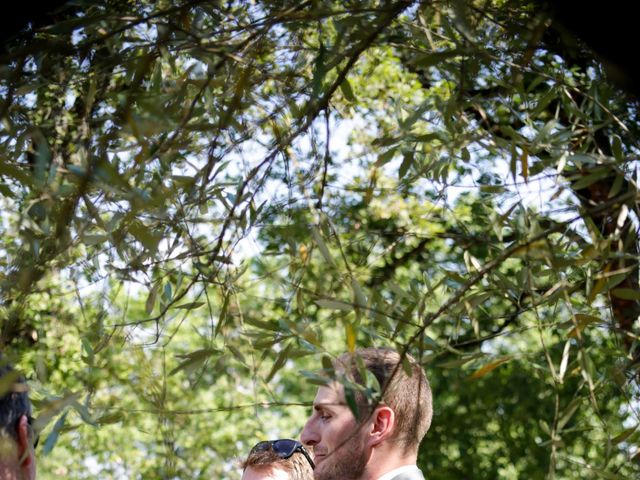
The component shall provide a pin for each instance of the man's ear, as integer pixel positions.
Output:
(383, 421)
(24, 450)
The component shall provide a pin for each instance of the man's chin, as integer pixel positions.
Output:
(340, 464)
(324, 466)
(321, 471)
(328, 469)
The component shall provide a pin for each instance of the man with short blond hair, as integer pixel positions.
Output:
(368, 421)
(283, 459)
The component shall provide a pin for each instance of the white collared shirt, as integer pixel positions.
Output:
(398, 471)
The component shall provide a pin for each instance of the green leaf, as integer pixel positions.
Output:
(68, 26)
(524, 161)
(167, 292)
(583, 321)
(626, 293)
(617, 185)
(350, 397)
(589, 179)
(428, 138)
(513, 164)
(334, 304)
(314, 378)
(544, 426)
(83, 411)
(86, 345)
(52, 438)
(319, 71)
(281, 359)
(622, 436)
(544, 102)
(406, 164)
(358, 293)
(317, 236)
(616, 148)
(385, 157)
(145, 236)
(327, 365)
(94, 239)
(222, 316)
(564, 361)
(492, 189)
(152, 297)
(347, 91)
(433, 58)
(461, 12)
(16, 173)
(237, 354)
(190, 305)
(194, 359)
(5, 190)
(458, 362)
(384, 141)
(110, 418)
(416, 115)
(606, 475)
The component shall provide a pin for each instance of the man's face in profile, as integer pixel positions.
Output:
(265, 472)
(334, 436)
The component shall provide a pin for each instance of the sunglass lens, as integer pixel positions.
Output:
(285, 447)
(261, 446)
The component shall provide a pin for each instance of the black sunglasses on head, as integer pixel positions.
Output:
(284, 448)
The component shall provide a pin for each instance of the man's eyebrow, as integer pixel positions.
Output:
(326, 405)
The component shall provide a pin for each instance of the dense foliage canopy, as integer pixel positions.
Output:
(201, 200)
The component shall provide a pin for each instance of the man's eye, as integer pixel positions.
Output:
(324, 416)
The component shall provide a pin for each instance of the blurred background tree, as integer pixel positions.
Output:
(201, 199)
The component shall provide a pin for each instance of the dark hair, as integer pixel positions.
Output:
(14, 399)
(404, 386)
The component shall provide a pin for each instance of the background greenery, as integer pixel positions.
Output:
(201, 199)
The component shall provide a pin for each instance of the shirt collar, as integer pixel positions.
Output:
(398, 471)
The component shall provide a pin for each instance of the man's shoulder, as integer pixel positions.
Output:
(414, 474)
(409, 476)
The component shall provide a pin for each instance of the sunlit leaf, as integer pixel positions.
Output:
(322, 246)
(350, 333)
(485, 369)
(334, 304)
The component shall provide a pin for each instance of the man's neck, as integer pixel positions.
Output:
(384, 460)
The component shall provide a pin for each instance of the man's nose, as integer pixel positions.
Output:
(309, 436)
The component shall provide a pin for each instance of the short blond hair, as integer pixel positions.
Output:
(297, 466)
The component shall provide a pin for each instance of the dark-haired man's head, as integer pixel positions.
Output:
(387, 430)
(17, 459)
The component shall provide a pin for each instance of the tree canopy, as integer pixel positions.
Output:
(204, 201)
